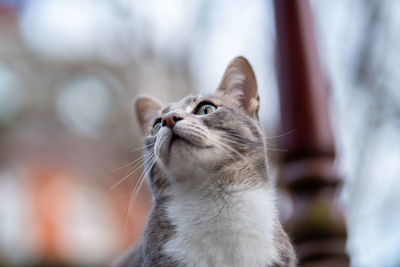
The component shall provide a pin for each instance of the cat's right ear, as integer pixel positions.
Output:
(239, 86)
(147, 109)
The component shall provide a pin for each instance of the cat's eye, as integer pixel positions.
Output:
(156, 128)
(205, 109)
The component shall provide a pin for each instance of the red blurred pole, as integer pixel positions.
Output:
(307, 172)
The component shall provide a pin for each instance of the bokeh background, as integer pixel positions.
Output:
(70, 69)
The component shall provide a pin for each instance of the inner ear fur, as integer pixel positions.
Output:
(239, 85)
(147, 108)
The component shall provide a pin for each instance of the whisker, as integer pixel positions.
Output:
(229, 134)
(206, 84)
(115, 185)
(216, 142)
(284, 134)
(242, 144)
(136, 190)
(136, 167)
(140, 148)
(268, 144)
(246, 146)
(267, 148)
(125, 165)
(266, 139)
(276, 149)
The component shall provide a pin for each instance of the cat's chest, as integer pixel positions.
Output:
(234, 231)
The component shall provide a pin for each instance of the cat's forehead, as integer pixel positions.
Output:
(185, 103)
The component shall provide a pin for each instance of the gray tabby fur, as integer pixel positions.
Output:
(213, 198)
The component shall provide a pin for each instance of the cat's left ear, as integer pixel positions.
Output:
(146, 109)
(239, 86)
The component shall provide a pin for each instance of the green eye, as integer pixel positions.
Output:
(205, 109)
(156, 128)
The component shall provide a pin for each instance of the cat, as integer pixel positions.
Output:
(213, 199)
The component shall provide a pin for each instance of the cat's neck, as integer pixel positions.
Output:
(230, 228)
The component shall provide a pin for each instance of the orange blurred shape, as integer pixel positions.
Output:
(49, 190)
(74, 218)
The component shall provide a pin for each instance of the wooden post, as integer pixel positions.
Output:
(307, 171)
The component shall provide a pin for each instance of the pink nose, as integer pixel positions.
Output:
(170, 119)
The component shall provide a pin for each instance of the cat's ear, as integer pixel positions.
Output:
(239, 86)
(146, 109)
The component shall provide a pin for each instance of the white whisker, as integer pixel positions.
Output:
(136, 190)
(216, 142)
(268, 148)
(284, 134)
(140, 148)
(125, 165)
(136, 167)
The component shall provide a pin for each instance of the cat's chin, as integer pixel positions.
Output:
(182, 159)
(179, 151)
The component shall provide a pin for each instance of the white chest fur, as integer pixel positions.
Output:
(236, 230)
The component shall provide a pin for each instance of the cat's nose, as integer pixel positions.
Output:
(170, 119)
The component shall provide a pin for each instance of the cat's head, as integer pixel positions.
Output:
(212, 140)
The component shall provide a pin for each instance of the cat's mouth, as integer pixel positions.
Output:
(179, 138)
(176, 138)
(180, 142)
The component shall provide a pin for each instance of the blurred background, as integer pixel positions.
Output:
(70, 69)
